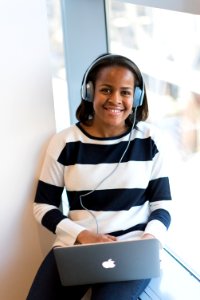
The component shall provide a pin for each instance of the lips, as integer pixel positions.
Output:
(115, 110)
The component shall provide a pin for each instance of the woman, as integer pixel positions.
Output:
(112, 168)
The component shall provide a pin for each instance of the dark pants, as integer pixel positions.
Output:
(47, 286)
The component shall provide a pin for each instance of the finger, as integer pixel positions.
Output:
(111, 237)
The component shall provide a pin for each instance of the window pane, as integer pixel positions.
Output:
(166, 47)
(59, 81)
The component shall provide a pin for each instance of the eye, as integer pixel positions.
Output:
(126, 93)
(106, 91)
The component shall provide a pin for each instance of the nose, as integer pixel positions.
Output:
(115, 98)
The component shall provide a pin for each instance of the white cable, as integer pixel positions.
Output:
(111, 173)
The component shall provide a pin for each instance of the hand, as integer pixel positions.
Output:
(88, 237)
(147, 236)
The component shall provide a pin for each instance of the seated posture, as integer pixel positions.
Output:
(111, 165)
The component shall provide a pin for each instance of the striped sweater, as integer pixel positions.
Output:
(124, 199)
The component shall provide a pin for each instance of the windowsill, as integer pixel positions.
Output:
(175, 283)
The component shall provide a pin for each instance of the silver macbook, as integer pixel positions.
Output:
(108, 262)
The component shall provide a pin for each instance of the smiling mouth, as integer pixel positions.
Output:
(114, 110)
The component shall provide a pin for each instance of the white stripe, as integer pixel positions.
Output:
(132, 174)
(74, 134)
(164, 204)
(52, 172)
(109, 221)
(157, 229)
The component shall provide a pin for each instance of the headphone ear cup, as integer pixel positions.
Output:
(89, 92)
(138, 97)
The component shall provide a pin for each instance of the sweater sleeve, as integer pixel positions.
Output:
(159, 192)
(48, 196)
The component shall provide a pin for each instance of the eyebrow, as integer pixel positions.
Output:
(110, 86)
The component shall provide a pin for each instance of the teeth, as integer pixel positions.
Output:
(114, 110)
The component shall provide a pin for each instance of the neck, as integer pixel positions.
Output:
(104, 131)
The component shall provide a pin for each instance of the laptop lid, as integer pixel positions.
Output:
(108, 262)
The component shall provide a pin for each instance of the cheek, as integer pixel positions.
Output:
(129, 105)
(98, 101)
(95, 103)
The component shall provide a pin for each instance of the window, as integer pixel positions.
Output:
(166, 46)
(59, 83)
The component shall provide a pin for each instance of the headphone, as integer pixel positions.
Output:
(87, 87)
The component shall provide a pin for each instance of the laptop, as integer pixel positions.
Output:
(108, 262)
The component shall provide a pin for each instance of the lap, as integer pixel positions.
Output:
(119, 290)
(47, 286)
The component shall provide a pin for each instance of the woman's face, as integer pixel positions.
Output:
(113, 96)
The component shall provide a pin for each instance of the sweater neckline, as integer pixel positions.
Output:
(102, 138)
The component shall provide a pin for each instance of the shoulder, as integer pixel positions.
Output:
(146, 129)
(153, 132)
(59, 140)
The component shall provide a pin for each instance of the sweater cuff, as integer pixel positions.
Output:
(67, 231)
(157, 229)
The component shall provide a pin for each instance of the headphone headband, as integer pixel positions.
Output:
(87, 88)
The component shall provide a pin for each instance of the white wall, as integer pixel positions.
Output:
(26, 123)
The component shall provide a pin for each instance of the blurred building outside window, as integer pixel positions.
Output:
(166, 47)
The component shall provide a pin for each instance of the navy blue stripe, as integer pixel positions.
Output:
(82, 153)
(47, 193)
(161, 215)
(106, 200)
(140, 227)
(121, 199)
(159, 189)
(51, 219)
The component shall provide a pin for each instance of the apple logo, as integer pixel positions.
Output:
(108, 264)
